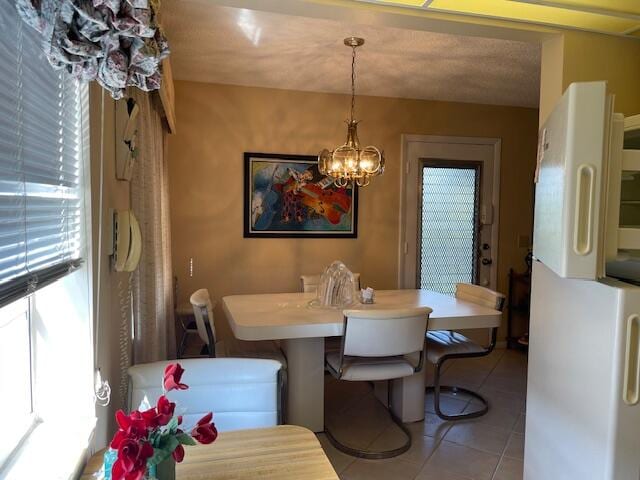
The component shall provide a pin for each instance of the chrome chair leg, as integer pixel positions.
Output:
(437, 389)
(375, 455)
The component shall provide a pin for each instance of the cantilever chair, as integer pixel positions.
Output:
(444, 345)
(379, 345)
(241, 392)
(203, 311)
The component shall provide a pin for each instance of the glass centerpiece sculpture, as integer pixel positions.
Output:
(338, 287)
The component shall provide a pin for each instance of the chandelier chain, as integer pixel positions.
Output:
(353, 82)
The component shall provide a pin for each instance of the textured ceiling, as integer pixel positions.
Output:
(219, 44)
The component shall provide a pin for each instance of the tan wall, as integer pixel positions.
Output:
(580, 56)
(115, 196)
(218, 123)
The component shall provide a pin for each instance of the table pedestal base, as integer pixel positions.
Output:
(407, 397)
(305, 370)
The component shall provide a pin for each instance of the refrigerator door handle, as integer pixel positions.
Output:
(631, 387)
(585, 209)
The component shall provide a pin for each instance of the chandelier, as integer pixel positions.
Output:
(351, 162)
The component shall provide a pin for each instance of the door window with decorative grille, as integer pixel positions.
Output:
(448, 225)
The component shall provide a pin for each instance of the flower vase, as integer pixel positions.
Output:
(165, 470)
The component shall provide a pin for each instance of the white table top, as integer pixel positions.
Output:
(275, 316)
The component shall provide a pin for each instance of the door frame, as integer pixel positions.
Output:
(408, 142)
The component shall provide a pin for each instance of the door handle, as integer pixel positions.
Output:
(584, 209)
(486, 261)
(631, 386)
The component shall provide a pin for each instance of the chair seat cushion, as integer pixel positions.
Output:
(444, 342)
(370, 369)
(260, 349)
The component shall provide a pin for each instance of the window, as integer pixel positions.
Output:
(449, 226)
(15, 370)
(43, 134)
(40, 156)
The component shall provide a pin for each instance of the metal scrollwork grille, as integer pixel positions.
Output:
(448, 227)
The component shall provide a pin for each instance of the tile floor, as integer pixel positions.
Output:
(487, 448)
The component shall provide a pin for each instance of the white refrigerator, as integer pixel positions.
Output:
(583, 416)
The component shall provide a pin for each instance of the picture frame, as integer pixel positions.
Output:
(285, 196)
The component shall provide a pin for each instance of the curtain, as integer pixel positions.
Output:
(153, 324)
(115, 42)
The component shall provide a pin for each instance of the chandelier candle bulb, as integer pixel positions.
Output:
(350, 162)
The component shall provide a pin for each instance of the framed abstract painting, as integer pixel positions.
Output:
(286, 197)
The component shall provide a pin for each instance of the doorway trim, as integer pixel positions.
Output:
(407, 141)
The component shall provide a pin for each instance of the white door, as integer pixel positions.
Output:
(575, 406)
(449, 212)
(571, 191)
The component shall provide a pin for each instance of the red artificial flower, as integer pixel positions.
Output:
(131, 463)
(133, 426)
(172, 375)
(205, 431)
(178, 453)
(161, 414)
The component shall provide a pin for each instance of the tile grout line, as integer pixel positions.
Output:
(439, 439)
(504, 449)
(469, 402)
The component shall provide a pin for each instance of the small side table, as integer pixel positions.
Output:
(187, 321)
(285, 452)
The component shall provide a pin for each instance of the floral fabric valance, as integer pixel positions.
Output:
(116, 42)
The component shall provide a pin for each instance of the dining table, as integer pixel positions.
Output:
(284, 452)
(301, 326)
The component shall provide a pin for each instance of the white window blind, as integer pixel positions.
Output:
(41, 143)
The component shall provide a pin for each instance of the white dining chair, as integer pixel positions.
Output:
(379, 345)
(444, 345)
(203, 311)
(202, 307)
(241, 392)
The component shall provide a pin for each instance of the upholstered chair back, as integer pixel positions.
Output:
(480, 295)
(241, 392)
(384, 333)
